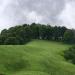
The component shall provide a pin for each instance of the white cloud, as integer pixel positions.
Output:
(67, 16)
(34, 17)
(13, 12)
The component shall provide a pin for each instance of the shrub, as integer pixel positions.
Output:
(69, 37)
(70, 54)
(11, 41)
(2, 39)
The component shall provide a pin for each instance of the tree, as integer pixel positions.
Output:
(24, 33)
(2, 39)
(35, 30)
(4, 31)
(42, 32)
(49, 32)
(69, 36)
(62, 31)
(11, 41)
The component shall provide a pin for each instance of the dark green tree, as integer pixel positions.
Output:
(11, 41)
(35, 30)
(69, 36)
(2, 39)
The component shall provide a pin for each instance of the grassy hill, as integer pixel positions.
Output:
(36, 58)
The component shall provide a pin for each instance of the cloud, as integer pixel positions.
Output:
(14, 12)
(67, 17)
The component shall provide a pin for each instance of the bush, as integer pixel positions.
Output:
(2, 39)
(11, 41)
(69, 37)
(70, 54)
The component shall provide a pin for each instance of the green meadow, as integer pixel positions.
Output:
(38, 57)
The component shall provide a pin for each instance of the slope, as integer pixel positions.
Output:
(38, 57)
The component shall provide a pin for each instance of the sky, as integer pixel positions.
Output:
(54, 12)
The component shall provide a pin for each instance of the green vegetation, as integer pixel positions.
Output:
(25, 33)
(11, 40)
(70, 54)
(69, 36)
(35, 58)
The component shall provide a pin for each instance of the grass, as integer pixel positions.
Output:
(38, 57)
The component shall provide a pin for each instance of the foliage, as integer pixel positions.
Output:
(24, 33)
(70, 54)
(2, 39)
(69, 36)
(11, 41)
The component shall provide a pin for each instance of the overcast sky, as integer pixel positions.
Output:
(55, 12)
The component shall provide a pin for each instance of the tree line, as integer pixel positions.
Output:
(24, 33)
